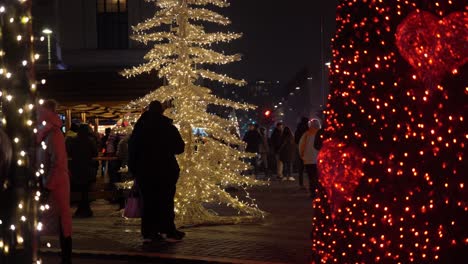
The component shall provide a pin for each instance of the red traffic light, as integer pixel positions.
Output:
(267, 113)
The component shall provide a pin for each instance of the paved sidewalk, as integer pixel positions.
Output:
(283, 236)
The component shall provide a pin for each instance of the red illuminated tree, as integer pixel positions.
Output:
(392, 168)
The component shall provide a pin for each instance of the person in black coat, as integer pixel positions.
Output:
(287, 153)
(253, 140)
(264, 150)
(302, 127)
(104, 139)
(82, 150)
(275, 141)
(152, 148)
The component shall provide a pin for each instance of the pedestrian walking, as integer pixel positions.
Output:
(55, 181)
(152, 148)
(122, 150)
(253, 140)
(309, 155)
(275, 141)
(71, 133)
(82, 150)
(302, 127)
(263, 151)
(103, 145)
(122, 154)
(111, 151)
(287, 153)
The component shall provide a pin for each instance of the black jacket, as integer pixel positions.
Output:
(82, 149)
(288, 149)
(275, 140)
(302, 127)
(152, 148)
(253, 140)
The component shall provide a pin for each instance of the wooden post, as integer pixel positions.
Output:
(96, 125)
(68, 119)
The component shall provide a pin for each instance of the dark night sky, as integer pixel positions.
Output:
(280, 37)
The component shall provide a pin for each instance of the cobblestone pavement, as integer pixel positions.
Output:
(282, 237)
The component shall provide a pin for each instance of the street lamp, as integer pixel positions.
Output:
(48, 32)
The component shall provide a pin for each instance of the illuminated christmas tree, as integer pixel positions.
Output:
(19, 188)
(181, 54)
(392, 165)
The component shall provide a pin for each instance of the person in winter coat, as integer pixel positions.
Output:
(71, 133)
(111, 151)
(263, 151)
(309, 154)
(275, 141)
(122, 150)
(287, 153)
(253, 140)
(152, 148)
(82, 150)
(302, 127)
(122, 154)
(103, 143)
(53, 156)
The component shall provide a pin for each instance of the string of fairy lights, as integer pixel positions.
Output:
(21, 225)
(17, 21)
(392, 166)
(179, 55)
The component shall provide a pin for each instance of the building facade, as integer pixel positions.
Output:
(84, 44)
(304, 96)
(92, 34)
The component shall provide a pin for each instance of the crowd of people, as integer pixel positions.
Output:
(69, 162)
(284, 151)
(83, 146)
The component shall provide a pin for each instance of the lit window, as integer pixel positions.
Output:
(112, 6)
(112, 23)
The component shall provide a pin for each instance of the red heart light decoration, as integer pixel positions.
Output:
(340, 170)
(434, 47)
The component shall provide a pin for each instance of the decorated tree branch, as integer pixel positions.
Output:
(181, 52)
(392, 167)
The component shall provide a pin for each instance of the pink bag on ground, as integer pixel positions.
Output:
(133, 204)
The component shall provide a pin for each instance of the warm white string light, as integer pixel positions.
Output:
(179, 56)
(17, 117)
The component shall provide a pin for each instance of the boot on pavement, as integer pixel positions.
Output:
(66, 247)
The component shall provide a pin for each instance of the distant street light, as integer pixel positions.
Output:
(48, 32)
